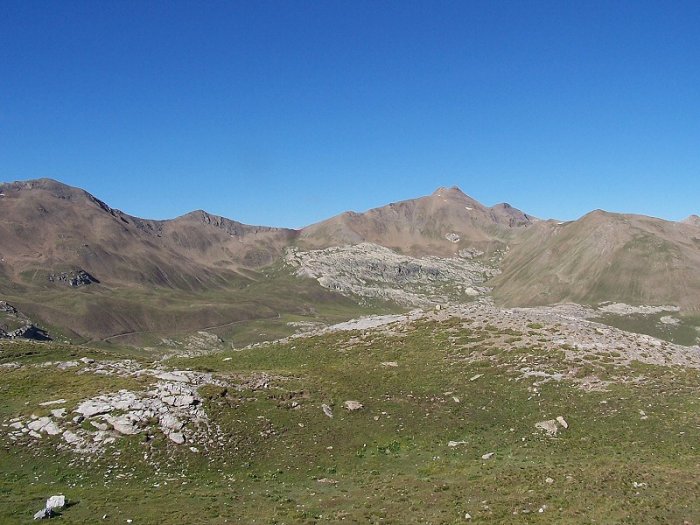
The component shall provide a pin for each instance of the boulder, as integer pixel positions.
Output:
(56, 502)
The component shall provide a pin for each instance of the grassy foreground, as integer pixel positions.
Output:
(630, 455)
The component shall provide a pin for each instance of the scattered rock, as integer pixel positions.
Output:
(549, 426)
(328, 481)
(488, 455)
(475, 377)
(353, 405)
(562, 422)
(93, 408)
(327, 410)
(43, 514)
(456, 443)
(177, 437)
(56, 402)
(390, 364)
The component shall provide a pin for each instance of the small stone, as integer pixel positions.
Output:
(70, 437)
(177, 437)
(488, 455)
(467, 516)
(43, 514)
(390, 364)
(353, 405)
(58, 412)
(93, 408)
(327, 410)
(475, 377)
(562, 422)
(56, 402)
(549, 481)
(456, 443)
(549, 426)
(51, 429)
(39, 424)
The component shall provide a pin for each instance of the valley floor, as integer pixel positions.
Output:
(470, 414)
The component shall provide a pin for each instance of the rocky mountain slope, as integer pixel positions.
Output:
(440, 224)
(48, 229)
(76, 265)
(603, 257)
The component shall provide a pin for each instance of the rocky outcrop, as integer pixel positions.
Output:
(74, 279)
(372, 271)
(26, 332)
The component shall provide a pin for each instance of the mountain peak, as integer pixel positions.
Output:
(453, 191)
(692, 219)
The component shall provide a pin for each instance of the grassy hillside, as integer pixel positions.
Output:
(145, 314)
(629, 455)
(603, 257)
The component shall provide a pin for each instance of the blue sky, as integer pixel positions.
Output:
(285, 112)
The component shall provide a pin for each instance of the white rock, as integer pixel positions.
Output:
(475, 377)
(71, 438)
(51, 429)
(488, 455)
(56, 402)
(123, 425)
(456, 443)
(177, 437)
(99, 426)
(562, 422)
(327, 410)
(353, 405)
(549, 426)
(42, 514)
(93, 408)
(168, 421)
(56, 502)
(38, 424)
(58, 412)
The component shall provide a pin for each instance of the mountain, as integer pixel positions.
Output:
(693, 220)
(92, 272)
(48, 228)
(603, 257)
(440, 224)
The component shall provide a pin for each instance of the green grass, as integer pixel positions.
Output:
(390, 460)
(238, 309)
(687, 332)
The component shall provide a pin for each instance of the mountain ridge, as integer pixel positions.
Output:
(70, 259)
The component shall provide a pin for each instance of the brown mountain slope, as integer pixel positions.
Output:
(693, 220)
(47, 228)
(603, 257)
(439, 224)
(79, 266)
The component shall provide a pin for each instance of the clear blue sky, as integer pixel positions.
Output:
(287, 112)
